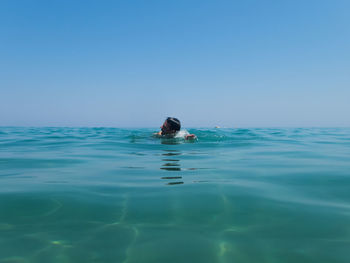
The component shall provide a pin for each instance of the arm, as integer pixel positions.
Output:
(157, 134)
(191, 137)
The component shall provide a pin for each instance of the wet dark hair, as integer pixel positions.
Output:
(174, 124)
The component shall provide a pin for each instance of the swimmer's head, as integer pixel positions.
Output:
(170, 126)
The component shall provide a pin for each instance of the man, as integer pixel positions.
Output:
(170, 128)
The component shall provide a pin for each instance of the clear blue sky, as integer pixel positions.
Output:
(133, 63)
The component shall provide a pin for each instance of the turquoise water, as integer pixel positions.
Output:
(120, 195)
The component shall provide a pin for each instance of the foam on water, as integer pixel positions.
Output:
(182, 134)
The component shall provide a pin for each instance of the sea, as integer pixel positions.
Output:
(243, 195)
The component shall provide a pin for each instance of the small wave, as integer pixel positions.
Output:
(25, 163)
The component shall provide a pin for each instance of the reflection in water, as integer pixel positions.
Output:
(171, 153)
(171, 183)
(171, 177)
(170, 141)
(172, 165)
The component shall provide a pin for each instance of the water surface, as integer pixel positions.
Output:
(120, 195)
